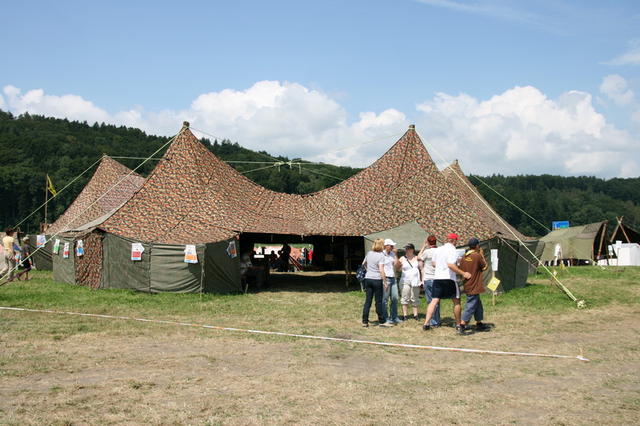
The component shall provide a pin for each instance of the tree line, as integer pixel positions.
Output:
(33, 146)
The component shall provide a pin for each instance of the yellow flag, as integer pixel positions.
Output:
(493, 284)
(50, 187)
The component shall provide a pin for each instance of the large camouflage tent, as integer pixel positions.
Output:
(192, 197)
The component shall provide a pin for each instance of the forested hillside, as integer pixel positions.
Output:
(32, 146)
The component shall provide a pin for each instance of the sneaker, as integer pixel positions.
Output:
(365, 324)
(482, 327)
(403, 318)
(415, 317)
(398, 321)
(388, 323)
(460, 330)
(426, 327)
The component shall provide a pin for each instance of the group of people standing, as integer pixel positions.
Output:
(434, 269)
(13, 254)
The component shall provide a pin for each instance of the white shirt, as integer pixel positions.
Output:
(410, 271)
(444, 256)
(558, 250)
(389, 260)
(373, 260)
(428, 270)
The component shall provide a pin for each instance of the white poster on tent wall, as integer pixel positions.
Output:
(41, 240)
(494, 260)
(56, 247)
(65, 251)
(190, 255)
(136, 251)
(79, 248)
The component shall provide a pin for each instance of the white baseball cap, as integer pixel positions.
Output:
(389, 242)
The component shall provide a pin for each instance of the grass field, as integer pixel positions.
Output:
(57, 369)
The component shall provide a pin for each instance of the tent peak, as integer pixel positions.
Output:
(412, 126)
(185, 124)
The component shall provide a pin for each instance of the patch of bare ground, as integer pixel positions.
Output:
(169, 375)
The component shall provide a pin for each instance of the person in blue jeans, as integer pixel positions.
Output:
(373, 283)
(391, 287)
(428, 275)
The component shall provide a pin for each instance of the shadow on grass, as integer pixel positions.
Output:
(329, 282)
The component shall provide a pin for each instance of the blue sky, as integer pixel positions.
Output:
(148, 63)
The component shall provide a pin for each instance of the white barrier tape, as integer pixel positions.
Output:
(299, 336)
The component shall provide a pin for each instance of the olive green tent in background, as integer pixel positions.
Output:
(577, 242)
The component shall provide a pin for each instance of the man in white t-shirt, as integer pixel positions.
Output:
(428, 275)
(445, 261)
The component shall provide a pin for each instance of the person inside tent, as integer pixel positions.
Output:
(444, 285)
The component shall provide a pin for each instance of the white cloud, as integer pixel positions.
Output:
(630, 57)
(617, 89)
(518, 131)
(522, 131)
(36, 102)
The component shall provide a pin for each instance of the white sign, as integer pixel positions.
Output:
(136, 251)
(494, 260)
(65, 251)
(79, 248)
(190, 255)
(56, 247)
(41, 240)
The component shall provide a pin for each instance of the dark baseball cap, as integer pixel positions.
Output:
(473, 242)
(410, 246)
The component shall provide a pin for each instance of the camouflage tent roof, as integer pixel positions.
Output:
(456, 177)
(194, 197)
(85, 208)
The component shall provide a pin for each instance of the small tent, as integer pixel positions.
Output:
(584, 242)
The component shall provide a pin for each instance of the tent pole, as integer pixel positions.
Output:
(602, 237)
(623, 231)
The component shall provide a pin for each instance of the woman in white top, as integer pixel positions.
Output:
(411, 268)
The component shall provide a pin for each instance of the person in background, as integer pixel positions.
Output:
(475, 264)
(428, 275)
(444, 285)
(373, 282)
(9, 255)
(390, 284)
(285, 253)
(310, 256)
(410, 280)
(25, 263)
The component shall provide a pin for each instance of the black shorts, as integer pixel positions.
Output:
(445, 289)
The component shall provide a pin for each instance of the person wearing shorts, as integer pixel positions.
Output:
(445, 261)
(410, 280)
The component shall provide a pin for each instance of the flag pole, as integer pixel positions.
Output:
(46, 201)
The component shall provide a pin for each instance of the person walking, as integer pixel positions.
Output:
(26, 264)
(475, 264)
(9, 255)
(410, 280)
(373, 282)
(390, 284)
(444, 285)
(428, 275)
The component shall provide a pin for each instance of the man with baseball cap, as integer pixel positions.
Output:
(445, 261)
(390, 286)
(474, 263)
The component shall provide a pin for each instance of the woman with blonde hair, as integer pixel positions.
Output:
(373, 286)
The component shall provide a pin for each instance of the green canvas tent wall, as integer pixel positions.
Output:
(162, 267)
(576, 242)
